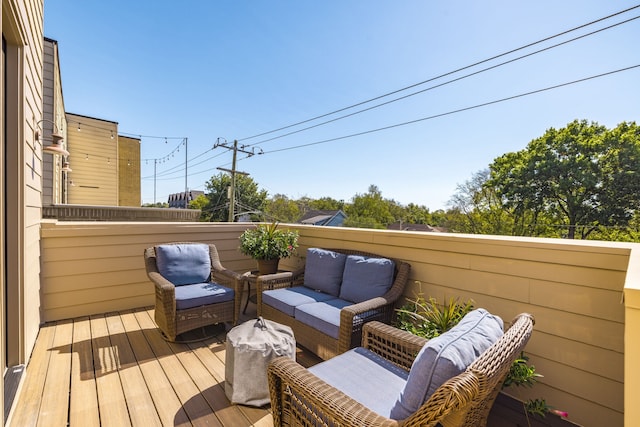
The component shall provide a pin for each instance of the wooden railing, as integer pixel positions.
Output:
(573, 288)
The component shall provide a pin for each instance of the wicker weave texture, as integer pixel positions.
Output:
(300, 398)
(352, 318)
(173, 322)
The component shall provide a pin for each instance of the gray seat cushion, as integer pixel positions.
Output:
(364, 376)
(195, 295)
(446, 356)
(184, 264)
(287, 299)
(323, 316)
(366, 277)
(323, 270)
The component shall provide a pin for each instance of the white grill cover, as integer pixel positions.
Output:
(250, 347)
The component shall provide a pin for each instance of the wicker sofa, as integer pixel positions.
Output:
(327, 318)
(364, 385)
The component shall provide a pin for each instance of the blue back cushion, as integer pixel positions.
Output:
(446, 356)
(366, 277)
(323, 270)
(184, 264)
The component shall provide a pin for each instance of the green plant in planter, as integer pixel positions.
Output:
(521, 373)
(428, 318)
(268, 242)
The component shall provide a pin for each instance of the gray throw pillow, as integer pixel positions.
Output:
(366, 277)
(323, 270)
(446, 356)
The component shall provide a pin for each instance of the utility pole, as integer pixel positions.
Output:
(233, 172)
(186, 187)
(155, 166)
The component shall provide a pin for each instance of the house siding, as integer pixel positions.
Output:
(22, 26)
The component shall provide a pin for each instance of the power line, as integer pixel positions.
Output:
(441, 75)
(455, 111)
(444, 83)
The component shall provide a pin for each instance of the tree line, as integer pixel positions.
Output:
(580, 181)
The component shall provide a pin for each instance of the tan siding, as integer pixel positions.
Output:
(82, 263)
(95, 165)
(32, 182)
(53, 112)
(129, 171)
(32, 300)
(22, 23)
(632, 343)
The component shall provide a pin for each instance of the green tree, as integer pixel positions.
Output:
(250, 199)
(369, 210)
(581, 176)
(282, 209)
(326, 203)
(476, 208)
(306, 204)
(199, 202)
(416, 214)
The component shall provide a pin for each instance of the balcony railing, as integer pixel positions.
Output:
(574, 288)
(117, 213)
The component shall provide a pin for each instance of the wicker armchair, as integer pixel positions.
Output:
(300, 398)
(352, 317)
(172, 321)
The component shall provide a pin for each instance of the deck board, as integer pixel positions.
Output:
(27, 408)
(54, 404)
(119, 371)
(193, 402)
(111, 400)
(83, 409)
(160, 389)
(133, 384)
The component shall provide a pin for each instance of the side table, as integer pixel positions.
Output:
(252, 278)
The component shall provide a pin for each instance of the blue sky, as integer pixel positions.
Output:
(230, 69)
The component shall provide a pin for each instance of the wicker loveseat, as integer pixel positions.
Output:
(327, 302)
(333, 392)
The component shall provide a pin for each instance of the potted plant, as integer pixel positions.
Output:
(428, 318)
(266, 243)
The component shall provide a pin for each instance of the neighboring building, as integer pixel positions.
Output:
(54, 185)
(102, 163)
(181, 200)
(129, 193)
(324, 218)
(399, 225)
(93, 149)
(104, 166)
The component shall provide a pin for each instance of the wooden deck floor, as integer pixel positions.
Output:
(117, 370)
